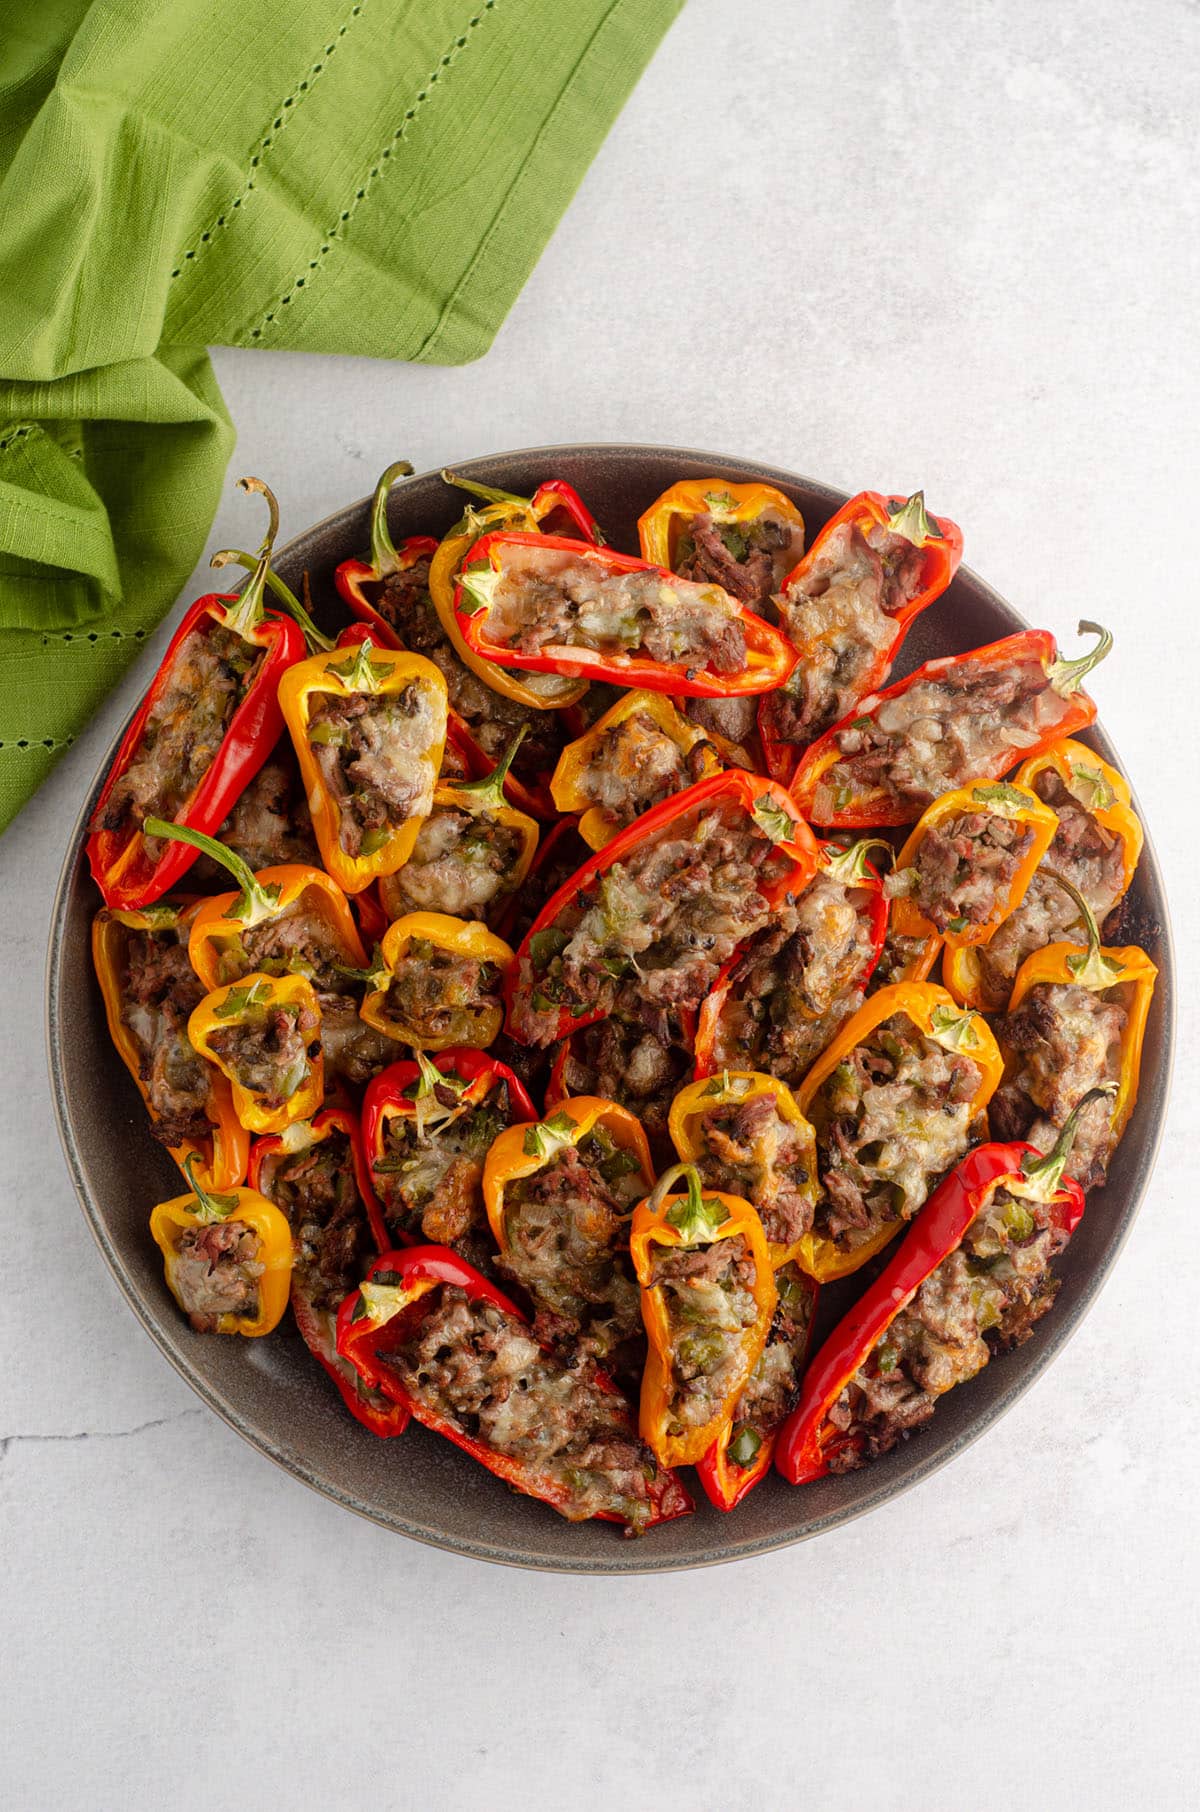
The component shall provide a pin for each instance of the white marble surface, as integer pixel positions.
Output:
(893, 245)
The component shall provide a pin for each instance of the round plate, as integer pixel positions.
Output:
(275, 1395)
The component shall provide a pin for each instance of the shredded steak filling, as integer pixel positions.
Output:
(749, 1149)
(634, 765)
(429, 1178)
(983, 1298)
(774, 1385)
(211, 673)
(376, 754)
(652, 932)
(890, 1120)
(462, 863)
(480, 1370)
(971, 720)
(436, 993)
(317, 1190)
(747, 559)
(798, 982)
(622, 1061)
(964, 869)
(708, 1294)
(1061, 1041)
(549, 597)
(841, 612)
(268, 1054)
(216, 1272)
(158, 994)
(269, 825)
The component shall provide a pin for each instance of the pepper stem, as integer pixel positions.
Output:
(848, 863)
(487, 793)
(383, 548)
(913, 521)
(210, 1207)
(487, 492)
(246, 612)
(503, 506)
(1067, 676)
(1041, 1176)
(695, 1219)
(317, 641)
(255, 902)
(1094, 969)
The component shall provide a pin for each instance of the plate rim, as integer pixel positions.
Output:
(629, 1559)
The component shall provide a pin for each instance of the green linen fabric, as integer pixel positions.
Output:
(376, 178)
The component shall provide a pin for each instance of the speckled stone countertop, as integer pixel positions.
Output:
(885, 245)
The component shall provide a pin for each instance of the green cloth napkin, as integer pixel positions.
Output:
(376, 178)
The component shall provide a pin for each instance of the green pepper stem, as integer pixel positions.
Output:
(1085, 913)
(487, 492)
(1067, 676)
(383, 548)
(210, 1207)
(849, 863)
(670, 1177)
(246, 611)
(1043, 1175)
(487, 793)
(255, 902)
(913, 521)
(317, 641)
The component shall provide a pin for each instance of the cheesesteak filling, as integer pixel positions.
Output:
(159, 990)
(964, 869)
(1061, 1041)
(215, 1271)
(440, 994)
(747, 1148)
(567, 1244)
(481, 1371)
(622, 1061)
(735, 720)
(296, 941)
(635, 764)
(429, 1176)
(269, 825)
(652, 932)
(376, 753)
(1082, 852)
(269, 1051)
(940, 732)
(898, 960)
(708, 1295)
(462, 863)
(983, 1298)
(841, 612)
(567, 854)
(548, 597)
(211, 673)
(890, 1120)
(747, 559)
(797, 984)
(774, 1384)
(403, 600)
(317, 1190)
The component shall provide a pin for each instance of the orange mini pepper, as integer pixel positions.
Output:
(570, 788)
(474, 1022)
(1105, 795)
(1126, 968)
(521, 1151)
(694, 1104)
(933, 1013)
(171, 1222)
(223, 1156)
(251, 1002)
(485, 800)
(216, 946)
(502, 509)
(691, 1220)
(996, 798)
(732, 508)
(363, 671)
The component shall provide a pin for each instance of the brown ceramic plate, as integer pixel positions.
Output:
(275, 1395)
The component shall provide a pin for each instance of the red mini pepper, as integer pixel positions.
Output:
(315, 1318)
(940, 544)
(771, 809)
(379, 1317)
(129, 872)
(825, 799)
(353, 577)
(768, 661)
(808, 1441)
(405, 1088)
